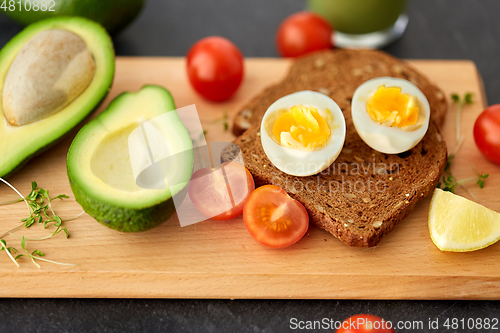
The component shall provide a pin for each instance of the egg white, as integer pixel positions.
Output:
(388, 140)
(298, 162)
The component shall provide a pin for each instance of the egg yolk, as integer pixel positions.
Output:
(391, 107)
(301, 127)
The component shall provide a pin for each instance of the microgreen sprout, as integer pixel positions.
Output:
(36, 255)
(224, 120)
(452, 155)
(9, 251)
(40, 210)
(450, 183)
(460, 102)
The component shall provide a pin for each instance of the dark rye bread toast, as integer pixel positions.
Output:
(363, 194)
(337, 74)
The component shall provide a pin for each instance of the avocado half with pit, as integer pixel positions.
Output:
(52, 75)
(101, 166)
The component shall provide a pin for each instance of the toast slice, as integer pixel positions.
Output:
(337, 74)
(364, 194)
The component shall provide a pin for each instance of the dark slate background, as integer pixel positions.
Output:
(438, 29)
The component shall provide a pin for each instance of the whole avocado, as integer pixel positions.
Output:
(111, 14)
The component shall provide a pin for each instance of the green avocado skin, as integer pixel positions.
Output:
(108, 62)
(111, 14)
(50, 144)
(114, 214)
(121, 218)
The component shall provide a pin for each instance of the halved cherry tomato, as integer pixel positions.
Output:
(487, 133)
(273, 218)
(365, 323)
(215, 68)
(220, 193)
(302, 33)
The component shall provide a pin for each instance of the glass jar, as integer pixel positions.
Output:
(363, 23)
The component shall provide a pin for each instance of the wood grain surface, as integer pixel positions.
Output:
(216, 259)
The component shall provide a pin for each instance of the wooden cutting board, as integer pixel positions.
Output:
(219, 259)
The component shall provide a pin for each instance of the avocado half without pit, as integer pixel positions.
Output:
(101, 162)
(52, 75)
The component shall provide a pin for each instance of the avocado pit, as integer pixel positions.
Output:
(50, 71)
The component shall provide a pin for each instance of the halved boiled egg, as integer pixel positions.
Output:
(303, 133)
(390, 115)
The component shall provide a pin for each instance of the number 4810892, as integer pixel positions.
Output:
(28, 5)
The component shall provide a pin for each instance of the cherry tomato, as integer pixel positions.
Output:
(273, 218)
(217, 199)
(487, 133)
(215, 68)
(302, 33)
(365, 323)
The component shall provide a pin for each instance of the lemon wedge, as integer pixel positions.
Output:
(460, 225)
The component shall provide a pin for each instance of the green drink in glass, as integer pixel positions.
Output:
(363, 23)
